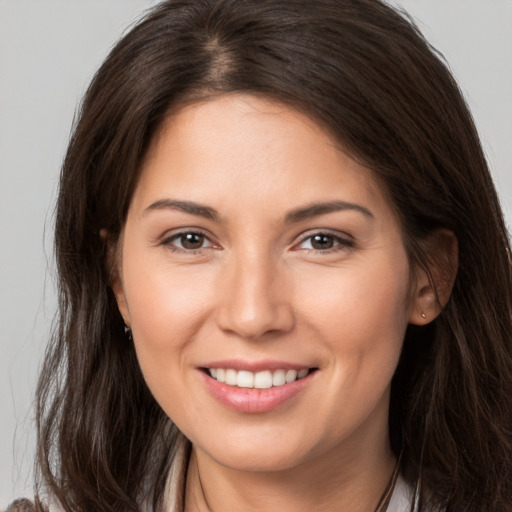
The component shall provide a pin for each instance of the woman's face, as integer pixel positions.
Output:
(256, 250)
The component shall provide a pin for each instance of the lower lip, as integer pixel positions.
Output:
(250, 400)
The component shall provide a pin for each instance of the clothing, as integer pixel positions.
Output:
(401, 499)
(174, 498)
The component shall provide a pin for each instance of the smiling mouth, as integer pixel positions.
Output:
(257, 380)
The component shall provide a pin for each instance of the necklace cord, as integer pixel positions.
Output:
(382, 506)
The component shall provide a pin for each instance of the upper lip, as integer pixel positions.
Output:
(255, 366)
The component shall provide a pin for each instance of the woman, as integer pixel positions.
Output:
(285, 276)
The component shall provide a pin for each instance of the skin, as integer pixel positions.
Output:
(255, 290)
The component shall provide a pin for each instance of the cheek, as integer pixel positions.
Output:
(167, 306)
(361, 311)
(366, 293)
(359, 318)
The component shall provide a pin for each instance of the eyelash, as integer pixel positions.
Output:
(341, 243)
(169, 241)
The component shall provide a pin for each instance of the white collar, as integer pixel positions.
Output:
(402, 497)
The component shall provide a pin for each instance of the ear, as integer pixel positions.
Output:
(113, 262)
(434, 281)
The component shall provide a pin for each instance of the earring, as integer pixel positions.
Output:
(423, 315)
(128, 332)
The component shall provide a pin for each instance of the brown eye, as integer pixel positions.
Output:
(319, 242)
(325, 243)
(188, 241)
(191, 241)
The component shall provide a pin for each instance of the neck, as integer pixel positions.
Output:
(339, 480)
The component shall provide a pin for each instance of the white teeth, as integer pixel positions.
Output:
(231, 377)
(263, 380)
(260, 380)
(291, 375)
(279, 378)
(245, 379)
(302, 373)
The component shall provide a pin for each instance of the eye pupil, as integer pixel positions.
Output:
(322, 242)
(192, 240)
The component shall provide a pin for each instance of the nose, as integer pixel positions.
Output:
(254, 299)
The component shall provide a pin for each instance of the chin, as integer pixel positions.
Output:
(257, 460)
(266, 452)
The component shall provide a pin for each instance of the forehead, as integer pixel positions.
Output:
(256, 148)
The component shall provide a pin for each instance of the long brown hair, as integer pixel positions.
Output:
(364, 71)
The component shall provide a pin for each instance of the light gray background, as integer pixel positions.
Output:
(49, 50)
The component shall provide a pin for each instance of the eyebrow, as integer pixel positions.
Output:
(185, 206)
(294, 216)
(316, 209)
